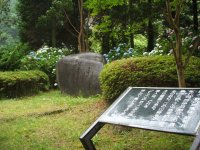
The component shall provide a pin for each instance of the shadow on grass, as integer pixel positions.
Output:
(47, 113)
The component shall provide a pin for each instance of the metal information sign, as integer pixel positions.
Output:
(174, 110)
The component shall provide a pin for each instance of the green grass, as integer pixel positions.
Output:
(50, 121)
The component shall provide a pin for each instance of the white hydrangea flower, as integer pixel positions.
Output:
(145, 54)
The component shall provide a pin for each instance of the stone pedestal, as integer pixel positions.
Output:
(79, 74)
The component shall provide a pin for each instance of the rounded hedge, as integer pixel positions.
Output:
(22, 83)
(154, 71)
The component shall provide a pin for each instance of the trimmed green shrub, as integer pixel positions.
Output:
(21, 83)
(151, 71)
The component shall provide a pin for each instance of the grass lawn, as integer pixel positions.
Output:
(50, 121)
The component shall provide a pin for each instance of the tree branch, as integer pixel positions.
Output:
(169, 15)
(177, 17)
(70, 21)
(173, 48)
(72, 33)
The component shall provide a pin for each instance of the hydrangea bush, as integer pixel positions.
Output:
(45, 59)
(162, 46)
(156, 51)
(122, 51)
(189, 37)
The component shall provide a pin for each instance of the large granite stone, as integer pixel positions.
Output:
(79, 74)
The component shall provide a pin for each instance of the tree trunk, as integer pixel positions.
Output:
(179, 62)
(105, 43)
(132, 44)
(150, 29)
(130, 12)
(181, 76)
(75, 13)
(173, 20)
(195, 14)
(150, 32)
(53, 34)
(82, 46)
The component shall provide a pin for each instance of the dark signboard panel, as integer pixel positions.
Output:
(170, 110)
(175, 110)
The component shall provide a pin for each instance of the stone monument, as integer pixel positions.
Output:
(78, 74)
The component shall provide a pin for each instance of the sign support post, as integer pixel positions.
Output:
(86, 138)
(196, 142)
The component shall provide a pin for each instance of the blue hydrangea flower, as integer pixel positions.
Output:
(32, 53)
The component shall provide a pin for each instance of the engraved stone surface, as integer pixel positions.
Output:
(164, 109)
(79, 74)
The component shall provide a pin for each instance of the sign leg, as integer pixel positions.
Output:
(196, 143)
(86, 137)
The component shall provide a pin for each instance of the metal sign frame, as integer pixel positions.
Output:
(86, 137)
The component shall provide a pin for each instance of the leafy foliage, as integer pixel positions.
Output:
(154, 71)
(140, 43)
(51, 23)
(4, 11)
(114, 28)
(98, 6)
(55, 19)
(11, 55)
(29, 11)
(21, 83)
(8, 22)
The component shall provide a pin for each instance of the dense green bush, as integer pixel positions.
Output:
(21, 83)
(11, 55)
(151, 71)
